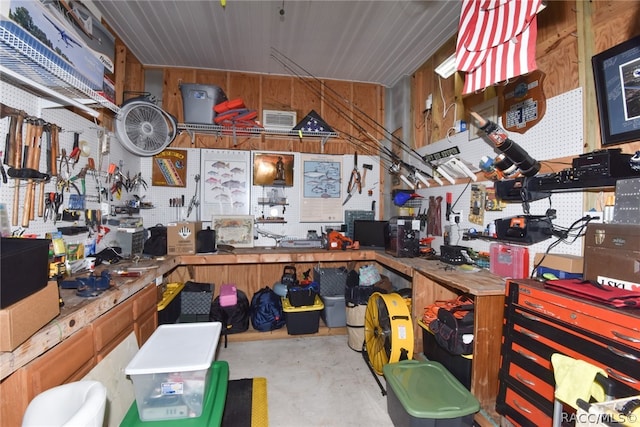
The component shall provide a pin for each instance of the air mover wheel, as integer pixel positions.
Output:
(388, 332)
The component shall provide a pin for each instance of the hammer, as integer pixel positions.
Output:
(365, 168)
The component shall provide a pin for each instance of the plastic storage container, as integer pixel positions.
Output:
(198, 102)
(334, 313)
(304, 319)
(509, 260)
(213, 410)
(170, 372)
(169, 306)
(425, 394)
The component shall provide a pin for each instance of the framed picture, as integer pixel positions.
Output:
(616, 72)
(273, 169)
(235, 230)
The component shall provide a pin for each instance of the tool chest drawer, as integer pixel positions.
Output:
(539, 323)
(521, 411)
(616, 324)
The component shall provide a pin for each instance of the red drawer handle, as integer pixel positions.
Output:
(624, 337)
(622, 353)
(522, 408)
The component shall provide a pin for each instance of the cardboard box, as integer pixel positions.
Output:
(21, 320)
(181, 237)
(561, 262)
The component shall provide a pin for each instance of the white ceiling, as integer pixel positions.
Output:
(358, 40)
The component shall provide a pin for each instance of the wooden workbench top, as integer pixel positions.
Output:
(79, 312)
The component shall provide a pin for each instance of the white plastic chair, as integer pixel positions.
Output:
(77, 404)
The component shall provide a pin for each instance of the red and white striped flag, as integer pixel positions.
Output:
(496, 40)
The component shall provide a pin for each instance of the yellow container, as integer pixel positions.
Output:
(304, 319)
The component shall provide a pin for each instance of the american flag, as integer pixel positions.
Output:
(496, 41)
(312, 122)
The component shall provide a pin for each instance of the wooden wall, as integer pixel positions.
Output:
(569, 34)
(350, 108)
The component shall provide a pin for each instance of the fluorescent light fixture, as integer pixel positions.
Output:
(447, 67)
(48, 91)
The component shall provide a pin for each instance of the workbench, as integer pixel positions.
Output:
(88, 328)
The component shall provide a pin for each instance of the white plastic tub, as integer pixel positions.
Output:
(170, 373)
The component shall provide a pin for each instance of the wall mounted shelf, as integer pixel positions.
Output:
(25, 62)
(210, 129)
(270, 221)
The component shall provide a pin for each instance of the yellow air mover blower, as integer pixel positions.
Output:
(388, 331)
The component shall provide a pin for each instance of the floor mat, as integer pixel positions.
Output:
(246, 404)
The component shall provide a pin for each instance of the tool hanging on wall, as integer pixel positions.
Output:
(195, 201)
(355, 181)
(13, 151)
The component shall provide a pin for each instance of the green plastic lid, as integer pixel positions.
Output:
(426, 389)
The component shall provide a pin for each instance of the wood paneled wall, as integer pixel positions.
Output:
(355, 109)
(352, 109)
(606, 23)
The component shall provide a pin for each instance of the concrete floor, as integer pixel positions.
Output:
(311, 381)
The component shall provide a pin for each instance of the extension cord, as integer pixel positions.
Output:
(594, 214)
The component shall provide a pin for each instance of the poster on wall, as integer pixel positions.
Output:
(169, 169)
(321, 189)
(225, 183)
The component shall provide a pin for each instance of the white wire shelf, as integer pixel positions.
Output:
(229, 130)
(26, 60)
(210, 129)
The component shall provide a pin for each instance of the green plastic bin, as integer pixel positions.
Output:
(212, 411)
(425, 394)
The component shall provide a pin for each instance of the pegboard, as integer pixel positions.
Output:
(292, 212)
(558, 134)
(163, 210)
(292, 226)
(88, 131)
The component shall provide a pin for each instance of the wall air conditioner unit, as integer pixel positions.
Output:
(278, 120)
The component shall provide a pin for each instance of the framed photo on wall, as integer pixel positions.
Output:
(616, 72)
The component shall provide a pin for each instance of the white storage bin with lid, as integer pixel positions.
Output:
(170, 372)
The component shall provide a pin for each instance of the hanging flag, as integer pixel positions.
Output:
(496, 40)
(312, 122)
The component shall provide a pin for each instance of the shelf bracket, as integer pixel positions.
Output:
(192, 136)
(323, 142)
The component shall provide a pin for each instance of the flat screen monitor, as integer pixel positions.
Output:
(369, 233)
